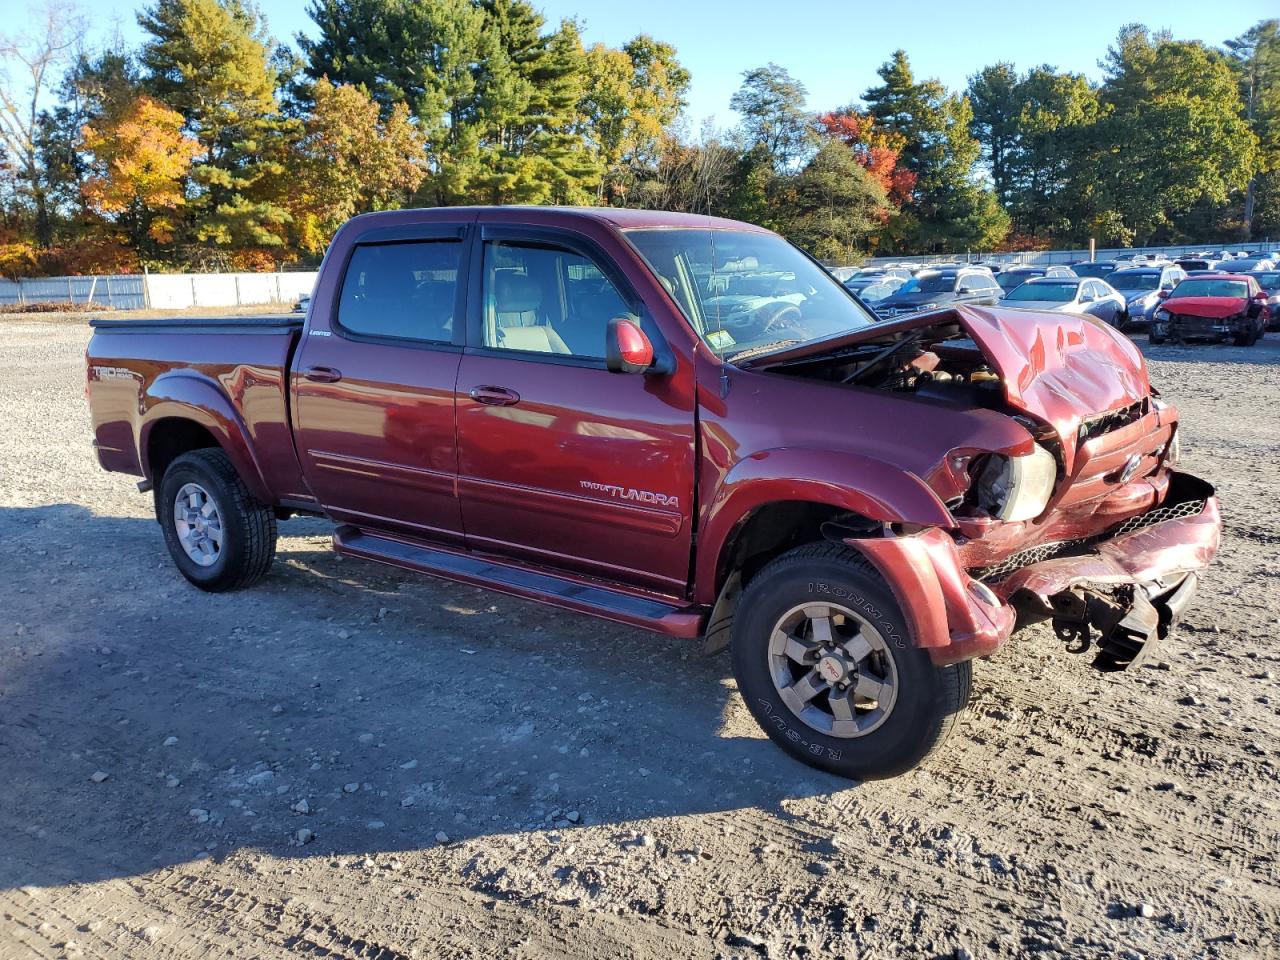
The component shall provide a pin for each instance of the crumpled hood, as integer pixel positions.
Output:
(1061, 368)
(1211, 308)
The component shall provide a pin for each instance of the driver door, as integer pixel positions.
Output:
(562, 463)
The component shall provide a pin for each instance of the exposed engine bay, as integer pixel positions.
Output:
(939, 362)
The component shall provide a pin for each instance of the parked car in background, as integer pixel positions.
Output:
(1011, 278)
(1250, 264)
(1141, 287)
(1269, 281)
(880, 271)
(1228, 306)
(1195, 263)
(937, 288)
(1094, 268)
(873, 288)
(1095, 298)
(303, 303)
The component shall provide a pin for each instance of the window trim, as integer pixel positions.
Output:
(550, 238)
(396, 237)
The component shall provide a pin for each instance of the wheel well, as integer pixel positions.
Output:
(777, 527)
(171, 438)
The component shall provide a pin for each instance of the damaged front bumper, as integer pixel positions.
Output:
(1123, 590)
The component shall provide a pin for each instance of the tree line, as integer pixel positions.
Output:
(214, 146)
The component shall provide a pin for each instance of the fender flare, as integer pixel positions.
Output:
(850, 481)
(189, 396)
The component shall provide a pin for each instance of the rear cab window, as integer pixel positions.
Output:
(405, 290)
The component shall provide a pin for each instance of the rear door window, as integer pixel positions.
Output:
(406, 291)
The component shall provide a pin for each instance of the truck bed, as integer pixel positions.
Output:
(228, 374)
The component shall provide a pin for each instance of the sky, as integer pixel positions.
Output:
(834, 48)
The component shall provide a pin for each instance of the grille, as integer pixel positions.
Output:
(1050, 551)
(1177, 511)
(1037, 554)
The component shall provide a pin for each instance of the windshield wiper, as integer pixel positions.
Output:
(761, 350)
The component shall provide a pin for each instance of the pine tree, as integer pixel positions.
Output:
(210, 60)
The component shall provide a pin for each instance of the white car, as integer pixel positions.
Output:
(1087, 295)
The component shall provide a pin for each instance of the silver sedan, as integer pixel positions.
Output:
(1086, 295)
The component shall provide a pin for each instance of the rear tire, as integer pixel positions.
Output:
(820, 618)
(219, 536)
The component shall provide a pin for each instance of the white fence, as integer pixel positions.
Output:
(162, 291)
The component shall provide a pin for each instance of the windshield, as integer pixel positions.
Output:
(1052, 292)
(930, 283)
(1268, 281)
(1134, 280)
(1210, 288)
(742, 290)
(1093, 269)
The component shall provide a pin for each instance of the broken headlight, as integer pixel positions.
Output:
(1017, 488)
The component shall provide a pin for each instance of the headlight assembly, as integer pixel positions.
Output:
(1162, 314)
(1017, 488)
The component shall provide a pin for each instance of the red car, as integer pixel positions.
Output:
(1224, 306)
(683, 424)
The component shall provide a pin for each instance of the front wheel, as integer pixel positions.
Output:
(219, 536)
(824, 661)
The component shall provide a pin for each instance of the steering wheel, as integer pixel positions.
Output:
(786, 316)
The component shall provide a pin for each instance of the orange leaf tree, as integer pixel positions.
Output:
(142, 159)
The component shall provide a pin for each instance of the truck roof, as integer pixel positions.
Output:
(624, 218)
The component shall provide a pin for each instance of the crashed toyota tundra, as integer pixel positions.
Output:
(683, 424)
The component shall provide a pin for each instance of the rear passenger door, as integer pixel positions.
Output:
(562, 463)
(374, 386)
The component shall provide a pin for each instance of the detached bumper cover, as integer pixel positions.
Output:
(956, 617)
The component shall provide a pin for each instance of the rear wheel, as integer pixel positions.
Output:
(219, 536)
(823, 659)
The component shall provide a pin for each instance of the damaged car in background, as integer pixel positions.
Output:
(683, 424)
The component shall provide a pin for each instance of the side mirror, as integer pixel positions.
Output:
(1261, 296)
(1163, 294)
(626, 348)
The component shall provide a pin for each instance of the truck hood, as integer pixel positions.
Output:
(1210, 308)
(1061, 368)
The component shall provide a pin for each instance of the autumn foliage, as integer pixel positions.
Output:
(877, 149)
(143, 158)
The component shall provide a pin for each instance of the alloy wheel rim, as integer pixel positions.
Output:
(198, 524)
(832, 669)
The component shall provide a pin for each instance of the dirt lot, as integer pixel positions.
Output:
(347, 761)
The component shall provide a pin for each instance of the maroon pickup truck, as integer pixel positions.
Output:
(687, 425)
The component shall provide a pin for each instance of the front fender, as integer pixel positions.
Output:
(186, 395)
(849, 481)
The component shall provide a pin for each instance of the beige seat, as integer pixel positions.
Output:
(518, 322)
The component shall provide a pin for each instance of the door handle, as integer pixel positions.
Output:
(322, 374)
(495, 396)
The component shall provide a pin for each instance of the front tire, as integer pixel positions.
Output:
(219, 536)
(824, 660)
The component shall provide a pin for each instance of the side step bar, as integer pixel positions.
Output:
(580, 596)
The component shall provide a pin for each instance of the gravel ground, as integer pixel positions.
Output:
(348, 761)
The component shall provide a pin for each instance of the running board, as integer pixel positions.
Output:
(580, 596)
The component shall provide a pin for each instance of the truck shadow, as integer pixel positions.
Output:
(369, 707)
